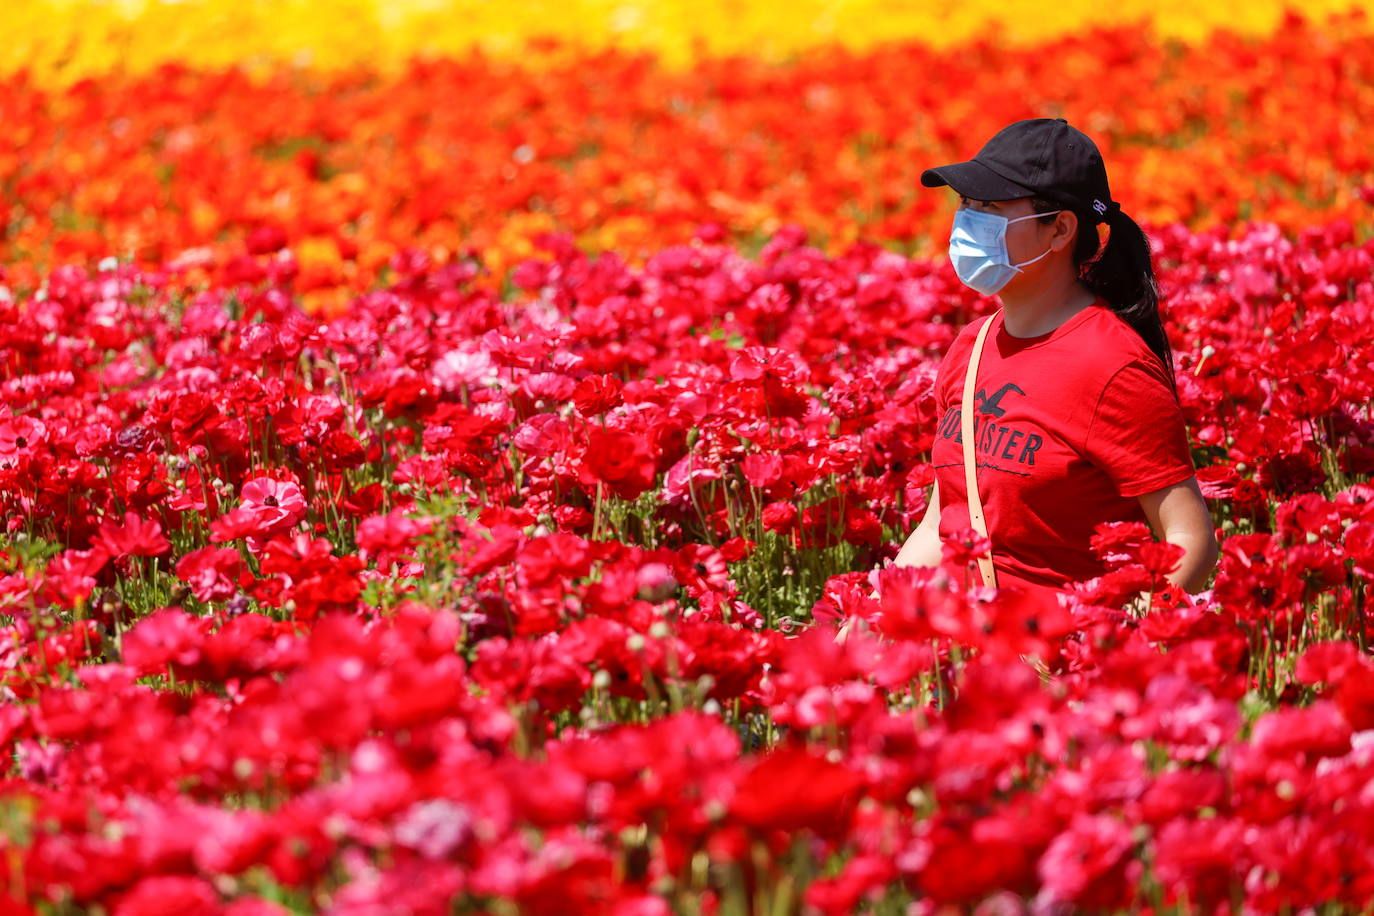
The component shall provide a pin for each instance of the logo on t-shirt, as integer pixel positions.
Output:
(995, 445)
(993, 405)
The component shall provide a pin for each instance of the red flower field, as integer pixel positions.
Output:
(400, 522)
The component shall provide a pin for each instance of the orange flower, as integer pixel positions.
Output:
(479, 156)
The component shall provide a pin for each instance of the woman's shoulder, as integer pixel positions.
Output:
(964, 339)
(1105, 344)
(957, 353)
(1113, 334)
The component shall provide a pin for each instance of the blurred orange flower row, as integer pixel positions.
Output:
(480, 155)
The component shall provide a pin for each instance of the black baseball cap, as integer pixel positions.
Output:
(1038, 157)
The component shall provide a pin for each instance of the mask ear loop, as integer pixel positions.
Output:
(1017, 267)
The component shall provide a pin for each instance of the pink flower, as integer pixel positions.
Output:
(762, 470)
(655, 582)
(20, 433)
(268, 506)
(168, 635)
(276, 504)
(390, 533)
(1184, 717)
(211, 572)
(70, 576)
(1086, 864)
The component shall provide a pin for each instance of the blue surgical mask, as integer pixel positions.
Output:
(978, 249)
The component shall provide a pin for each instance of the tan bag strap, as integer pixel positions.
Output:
(975, 502)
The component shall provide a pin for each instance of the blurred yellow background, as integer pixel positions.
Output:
(60, 41)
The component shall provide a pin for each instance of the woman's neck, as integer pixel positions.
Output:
(1041, 310)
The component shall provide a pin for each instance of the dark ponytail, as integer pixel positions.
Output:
(1122, 273)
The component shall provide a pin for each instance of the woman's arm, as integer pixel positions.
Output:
(922, 547)
(1178, 514)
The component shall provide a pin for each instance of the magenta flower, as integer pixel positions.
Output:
(275, 504)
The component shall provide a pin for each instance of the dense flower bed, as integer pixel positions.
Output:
(468, 602)
(432, 478)
(630, 156)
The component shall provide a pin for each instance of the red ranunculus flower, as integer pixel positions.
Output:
(211, 572)
(793, 789)
(136, 536)
(621, 460)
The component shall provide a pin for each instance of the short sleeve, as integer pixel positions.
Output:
(1137, 434)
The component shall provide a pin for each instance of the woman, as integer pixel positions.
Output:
(1076, 418)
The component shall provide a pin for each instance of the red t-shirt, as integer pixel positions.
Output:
(1071, 426)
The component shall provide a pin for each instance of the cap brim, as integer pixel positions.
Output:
(975, 181)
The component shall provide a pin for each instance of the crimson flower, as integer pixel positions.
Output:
(156, 895)
(963, 548)
(794, 789)
(597, 394)
(622, 461)
(1253, 578)
(779, 516)
(137, 537)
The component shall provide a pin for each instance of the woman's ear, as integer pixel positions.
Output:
(1065, 230)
